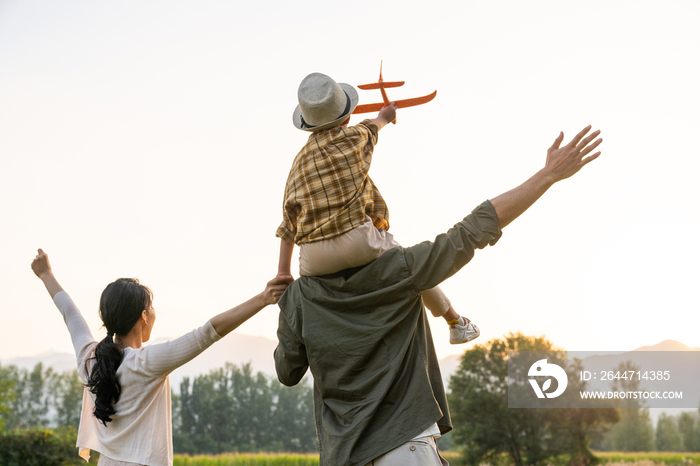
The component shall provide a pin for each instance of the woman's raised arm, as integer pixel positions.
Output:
(163, 358)
(80, 333)
(226, 321)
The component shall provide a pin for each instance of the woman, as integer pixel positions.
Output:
(126, 405)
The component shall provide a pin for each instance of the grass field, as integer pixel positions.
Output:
(648, 458)
(290, 459)
(248, 459)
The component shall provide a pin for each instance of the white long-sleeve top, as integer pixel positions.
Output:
(141, 429)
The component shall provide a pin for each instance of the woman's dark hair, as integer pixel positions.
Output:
(121, 305)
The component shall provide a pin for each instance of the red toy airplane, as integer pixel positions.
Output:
(381, 85)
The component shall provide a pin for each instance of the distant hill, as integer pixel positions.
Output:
(668, 345)
(60, 362)
(448, 366)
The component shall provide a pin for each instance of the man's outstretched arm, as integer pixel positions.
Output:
(562, 162)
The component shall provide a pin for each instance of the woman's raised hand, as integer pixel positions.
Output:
(41, 264)
(42, 269)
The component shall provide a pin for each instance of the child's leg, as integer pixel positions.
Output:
(461, 329)
(438, 304)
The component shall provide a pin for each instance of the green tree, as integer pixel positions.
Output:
(253, 407)
(668, 438)
(210, 407)
(232, 409)
(68, 399)
(183, 411)
(293, 428)
(32, 397)
(7, 393)
(574, 429)
(635, 431)
(487, 428)
(688, 428)
(39, 398)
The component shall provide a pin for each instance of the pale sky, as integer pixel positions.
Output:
(152, 139)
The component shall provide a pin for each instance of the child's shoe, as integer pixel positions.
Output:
(462, 333)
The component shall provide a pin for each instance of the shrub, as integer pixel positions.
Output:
(40, 447)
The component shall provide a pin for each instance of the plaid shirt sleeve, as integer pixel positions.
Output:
(287, 230)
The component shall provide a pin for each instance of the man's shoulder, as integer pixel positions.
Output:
(387, 270)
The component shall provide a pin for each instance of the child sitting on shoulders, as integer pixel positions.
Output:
(332, 209)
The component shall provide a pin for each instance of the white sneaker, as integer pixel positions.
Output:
(463, 333)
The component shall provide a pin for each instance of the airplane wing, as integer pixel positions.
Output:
(367, 108)
(379, 85)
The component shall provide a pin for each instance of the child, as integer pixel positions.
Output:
(332, 209)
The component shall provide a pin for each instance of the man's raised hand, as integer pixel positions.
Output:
(562, 162)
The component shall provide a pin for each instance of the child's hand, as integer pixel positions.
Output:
(275, 288)
(388, 112)
(386, 115)
(41, 265)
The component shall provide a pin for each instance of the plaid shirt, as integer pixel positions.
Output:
(329, 191)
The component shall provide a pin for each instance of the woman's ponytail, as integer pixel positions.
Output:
(103, 380)
(121, 305)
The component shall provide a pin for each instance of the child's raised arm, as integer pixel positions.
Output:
(386, 115)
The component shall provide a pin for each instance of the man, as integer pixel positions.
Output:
(378, 392)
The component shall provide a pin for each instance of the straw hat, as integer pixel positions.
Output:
(323, 103)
